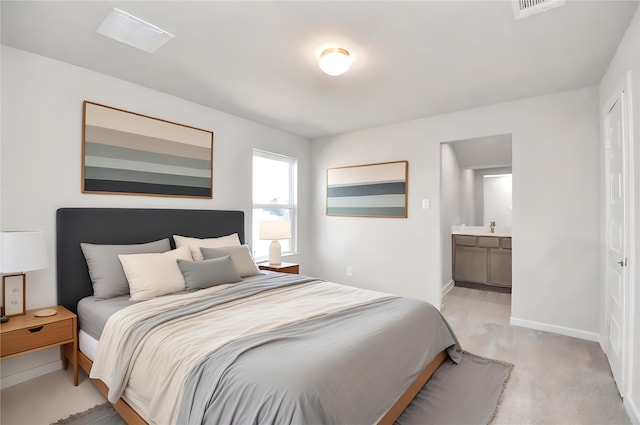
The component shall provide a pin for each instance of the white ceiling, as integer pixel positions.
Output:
(258, 60)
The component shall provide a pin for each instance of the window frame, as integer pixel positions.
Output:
(292, 206)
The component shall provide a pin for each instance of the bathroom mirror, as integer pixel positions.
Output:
(497, 204)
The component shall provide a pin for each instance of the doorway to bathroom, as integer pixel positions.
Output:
(476, 213)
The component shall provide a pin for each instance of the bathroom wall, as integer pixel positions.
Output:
(450, 201)
(467, 197)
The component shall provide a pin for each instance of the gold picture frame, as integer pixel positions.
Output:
(14, 294)
(126, 153)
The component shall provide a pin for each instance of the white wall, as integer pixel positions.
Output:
(555, 221)
(450, 205)
(627, 60)
(41, 162)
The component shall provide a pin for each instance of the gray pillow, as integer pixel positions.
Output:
(105, 269)
(206, 273)
(240, 256)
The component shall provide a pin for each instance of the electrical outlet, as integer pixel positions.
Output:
(349, 271)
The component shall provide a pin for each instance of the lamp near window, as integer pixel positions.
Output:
(20, 252)
(275, 230)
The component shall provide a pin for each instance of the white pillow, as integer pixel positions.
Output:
(241, 258)
(154, 274)
(196, 243)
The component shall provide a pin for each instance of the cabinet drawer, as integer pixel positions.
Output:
(505, 243)
(488, 242)
(22, 340)
(464, 240)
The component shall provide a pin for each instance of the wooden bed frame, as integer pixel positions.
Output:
(133, 225)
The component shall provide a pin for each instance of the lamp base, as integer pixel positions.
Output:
(45, 313)
(4, 319)
(275, 253)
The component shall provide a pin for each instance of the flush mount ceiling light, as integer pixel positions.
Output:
(335, 61)
(126, 28)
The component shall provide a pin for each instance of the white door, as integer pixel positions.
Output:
(617, 235)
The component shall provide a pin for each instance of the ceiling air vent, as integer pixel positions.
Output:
(524, 8)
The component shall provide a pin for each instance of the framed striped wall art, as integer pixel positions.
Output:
(372, 190)
(128, 153)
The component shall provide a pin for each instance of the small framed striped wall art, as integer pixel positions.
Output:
(126, 153)
(371, 190)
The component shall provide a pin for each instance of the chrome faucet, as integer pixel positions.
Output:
(492, 226)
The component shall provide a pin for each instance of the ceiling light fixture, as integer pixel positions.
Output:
(126, 28)
(335, 61)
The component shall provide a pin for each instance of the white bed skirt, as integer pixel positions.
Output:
(87, 344)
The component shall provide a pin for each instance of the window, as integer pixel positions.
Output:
(274, 197)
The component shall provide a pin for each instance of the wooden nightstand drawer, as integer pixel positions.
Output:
(26, 339)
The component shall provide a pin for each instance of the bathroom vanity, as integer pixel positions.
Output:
(481, 259)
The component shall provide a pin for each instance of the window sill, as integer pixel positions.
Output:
(265, 259)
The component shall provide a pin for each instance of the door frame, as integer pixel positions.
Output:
(623, 92)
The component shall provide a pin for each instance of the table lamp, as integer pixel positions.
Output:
(274, 230)
(21, 252)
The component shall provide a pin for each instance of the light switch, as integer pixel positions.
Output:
(426, 204)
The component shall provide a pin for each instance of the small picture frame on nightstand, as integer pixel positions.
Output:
(13, 294)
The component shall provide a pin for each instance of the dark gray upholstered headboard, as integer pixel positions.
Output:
(126, 226)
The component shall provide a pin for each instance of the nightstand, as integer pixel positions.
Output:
(27, 333)
(282, 268)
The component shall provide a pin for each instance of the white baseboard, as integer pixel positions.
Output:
(576, 333)
(446, 288)
(604, 343)
(18, 378)
(632, 410)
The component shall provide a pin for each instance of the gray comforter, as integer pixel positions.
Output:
(347, 366)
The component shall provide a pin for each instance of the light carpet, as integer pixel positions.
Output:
(468, 393)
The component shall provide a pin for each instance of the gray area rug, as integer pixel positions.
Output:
(468, 393)
(101, 414)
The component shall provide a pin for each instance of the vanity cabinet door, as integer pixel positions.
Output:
(470, 264)
(500, 267)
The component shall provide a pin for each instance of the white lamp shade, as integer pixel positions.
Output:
(22, 251)
(275, 230)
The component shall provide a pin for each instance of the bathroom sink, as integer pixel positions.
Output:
(481, 231)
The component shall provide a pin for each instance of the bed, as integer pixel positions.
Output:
(301, 350)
